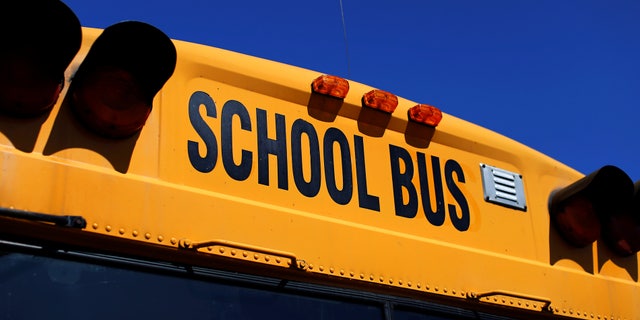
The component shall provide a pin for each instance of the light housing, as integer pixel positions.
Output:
(621, 229)
(40, 40)
(112, 91)
(580, 210)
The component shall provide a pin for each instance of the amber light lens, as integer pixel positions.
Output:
(380, 100)
(111, 103)
(331, 86)
(425, 114)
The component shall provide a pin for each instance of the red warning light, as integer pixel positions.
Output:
(40, 38)
(112, 91)
(597, 204)
(110, 101)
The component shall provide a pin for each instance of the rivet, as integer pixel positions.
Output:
(95, 225)
(409, 284)
(267, 258)
(362, 276)
(310, 266)
(321, 268)
(371, 277)
(160, 238)
(278, 260)
(341, 272)
(391, 280)
(221, 250)
(436, 288)
(147, 235)
(400, 282)
(453, 291)
(209, 248)
(428, 287)
(381, 279)
(445, 290)
(332, 270)
(121, 231)
(234, 252)
(108, 228)
(256, 256)
(134, 233)
(419, 286)
(245, 254)
(174, 240)
(351, 273)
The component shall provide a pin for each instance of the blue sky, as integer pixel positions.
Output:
(561, 76)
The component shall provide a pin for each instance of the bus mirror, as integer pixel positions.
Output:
(579, 210)
(40, 40)
(112, 91)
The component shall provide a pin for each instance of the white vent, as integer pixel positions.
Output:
(503, 187)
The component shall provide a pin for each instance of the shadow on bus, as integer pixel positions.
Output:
(629, 264)
(22, 132)
(69, 133)
(560, 250)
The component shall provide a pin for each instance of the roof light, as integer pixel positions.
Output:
(578, 210)
(380, 100)
(426, 114)
(333, 86)
(113, 89)
(40, 40)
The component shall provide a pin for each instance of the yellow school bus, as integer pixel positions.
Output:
(144, 177)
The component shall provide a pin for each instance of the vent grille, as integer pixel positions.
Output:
(503, 187)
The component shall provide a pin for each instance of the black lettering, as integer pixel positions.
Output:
(343, 196)
(311, 188)
(277, 147)
(365, 200)
(459, 222)
(242, 170)
(402, 180)
(207, 162)
(436, 217)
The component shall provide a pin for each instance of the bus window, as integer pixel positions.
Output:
(39, 287)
